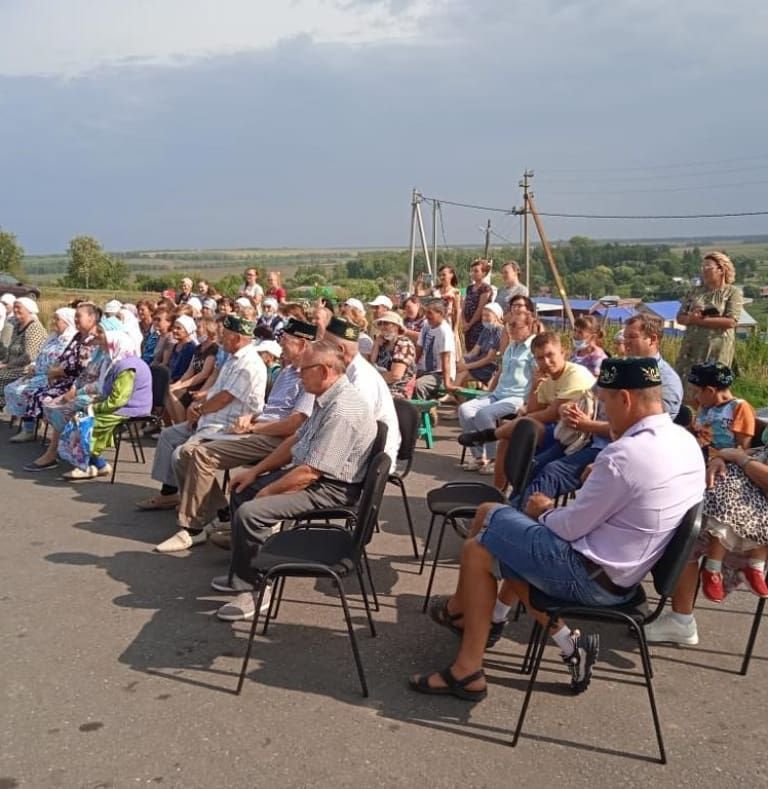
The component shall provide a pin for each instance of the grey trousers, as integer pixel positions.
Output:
(427, 386)
(198, 462)
(252, 521)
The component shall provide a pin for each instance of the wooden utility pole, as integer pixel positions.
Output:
(487, 247)
(530, 206)
(526, 238)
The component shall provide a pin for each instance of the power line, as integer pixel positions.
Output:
(515, 211)
(654, 216)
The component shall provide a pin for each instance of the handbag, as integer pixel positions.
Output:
(77, 438)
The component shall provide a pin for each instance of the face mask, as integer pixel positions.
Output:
(389, 336)
(488, 325)
(580, 345)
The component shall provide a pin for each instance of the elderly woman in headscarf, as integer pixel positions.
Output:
(20, 395)
(86, 389)
(6, 329)
(125, 391)
(27, 339)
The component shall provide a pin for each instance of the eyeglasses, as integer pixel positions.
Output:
(309, 367)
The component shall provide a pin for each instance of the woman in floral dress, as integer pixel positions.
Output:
(477, 296)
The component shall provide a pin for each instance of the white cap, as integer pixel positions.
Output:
(113, 307)
(210, 304)
(187, 323)
(243, 302)
(494, 308)
(356, 304)
(268, 302)
(270, 346)
(195, 303)
(381, 301)
(8, 298)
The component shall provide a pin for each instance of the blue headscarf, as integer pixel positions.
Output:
(111, 323)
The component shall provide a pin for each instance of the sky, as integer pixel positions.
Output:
(157, 124)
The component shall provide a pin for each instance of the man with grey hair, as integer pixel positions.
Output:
(321, 465)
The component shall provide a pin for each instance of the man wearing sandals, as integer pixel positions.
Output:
(595, 551)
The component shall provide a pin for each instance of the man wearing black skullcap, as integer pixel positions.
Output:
(250, 440)
(238, 390)
(596, 550)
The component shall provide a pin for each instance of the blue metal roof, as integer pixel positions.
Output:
(665, 309)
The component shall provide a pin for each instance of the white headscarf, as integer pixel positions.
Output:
(131, 324)
(67, 314)
(30, 305)
(3, 313)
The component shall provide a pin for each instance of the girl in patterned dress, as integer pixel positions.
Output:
(733, 504)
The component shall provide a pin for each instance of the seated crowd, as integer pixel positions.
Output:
(290, 394)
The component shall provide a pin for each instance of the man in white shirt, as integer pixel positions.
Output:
(435, 353)
(238, 390)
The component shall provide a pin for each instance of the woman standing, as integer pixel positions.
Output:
(448, 290)
(478, 295)
(710, 313)
(275, 287)
(27, 339)
(20, 395)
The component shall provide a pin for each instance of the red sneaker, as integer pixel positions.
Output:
(756, 580)
(712, 586)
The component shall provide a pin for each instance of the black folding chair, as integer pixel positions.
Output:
(131, 428)
(752, 636)
(666, 573)
(456, 500)
(319, 549)
(408, 421)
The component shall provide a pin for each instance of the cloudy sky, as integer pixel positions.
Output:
(226, 123)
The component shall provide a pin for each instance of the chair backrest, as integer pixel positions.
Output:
(381, 439)
(666, 572)
(369, 506)
(519, 458)
(408, 421)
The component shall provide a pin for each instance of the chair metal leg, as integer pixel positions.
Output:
(365, 601)
(118, 442)
(426, 542)
(352, 637)
(274, 603)
(534, 671)
(533, 639)
(752, 636)
(434, 565)
(646, 659)
(370, 580)
(519, 609)
(400, 484)
(139, 445)
(252, 635)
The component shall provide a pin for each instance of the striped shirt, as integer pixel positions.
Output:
(337, 438)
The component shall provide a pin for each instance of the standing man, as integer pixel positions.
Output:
(510, 273)
(322, 465)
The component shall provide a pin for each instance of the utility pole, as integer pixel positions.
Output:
(487, 240)
(526, 238)
(414, 205)
(435, 208)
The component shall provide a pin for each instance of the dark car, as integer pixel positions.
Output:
(9, 284)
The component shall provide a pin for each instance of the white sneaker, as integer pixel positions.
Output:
(488, 470)
(181, 541)
(474, 464)
(79, 474)
(22, 437)
(243, 607)
(104, 471)
(667, 630)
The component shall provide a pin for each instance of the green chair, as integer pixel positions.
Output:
(425, 422)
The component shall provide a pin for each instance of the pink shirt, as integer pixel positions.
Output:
(640, 487)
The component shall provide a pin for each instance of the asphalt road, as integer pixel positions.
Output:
(116, 673)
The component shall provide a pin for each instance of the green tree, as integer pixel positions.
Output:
(90, 267)
(11, 253)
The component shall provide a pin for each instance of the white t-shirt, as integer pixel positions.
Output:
(433, 341)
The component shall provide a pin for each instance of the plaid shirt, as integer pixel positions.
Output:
(337, 438)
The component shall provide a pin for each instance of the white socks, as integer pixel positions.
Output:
(564, 640)
(500, 612)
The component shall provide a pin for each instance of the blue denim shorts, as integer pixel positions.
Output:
(526, 550)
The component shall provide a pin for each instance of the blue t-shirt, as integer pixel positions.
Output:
(180, 359)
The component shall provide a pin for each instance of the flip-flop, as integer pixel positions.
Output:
(41, 467)
(453, 687)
